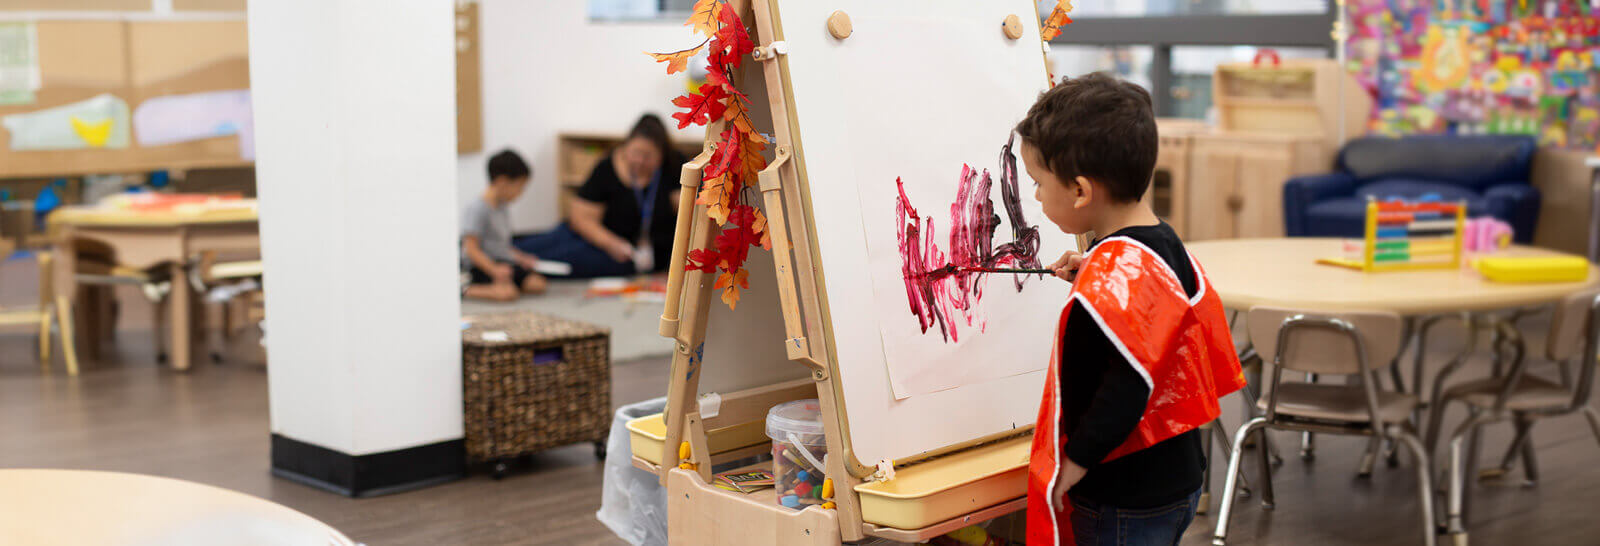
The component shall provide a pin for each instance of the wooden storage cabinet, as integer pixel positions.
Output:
(1236, 181)
(1168, 194)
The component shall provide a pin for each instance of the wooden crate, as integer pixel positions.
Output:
(547, 383)
(1298, 96)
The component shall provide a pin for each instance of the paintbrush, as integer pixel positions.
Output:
(980, 269)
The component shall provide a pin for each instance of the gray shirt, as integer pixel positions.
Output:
(492, 227)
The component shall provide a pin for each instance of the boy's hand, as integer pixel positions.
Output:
(501, 273)
(1066, 268)
(527, 261)
(1068, 477)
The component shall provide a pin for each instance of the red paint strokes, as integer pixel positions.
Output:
(945, 291)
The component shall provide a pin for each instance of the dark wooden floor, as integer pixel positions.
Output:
(126, 413)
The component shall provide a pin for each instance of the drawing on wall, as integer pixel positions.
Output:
(947, 290)
(19, 63)
(97, 122)
(171, 119)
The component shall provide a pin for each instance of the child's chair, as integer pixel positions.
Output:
(223, 279)
(51, 308)
(1521, 398)
(1354, 344)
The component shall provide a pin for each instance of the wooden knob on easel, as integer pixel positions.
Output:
(1013, 27)
(839, 25)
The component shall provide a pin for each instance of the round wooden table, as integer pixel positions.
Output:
(1284, 273)
(70, 507)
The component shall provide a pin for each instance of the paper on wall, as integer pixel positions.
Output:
(19, 63)
(97, 122)
(172, 119)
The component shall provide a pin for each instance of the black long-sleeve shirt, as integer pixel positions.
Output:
(1103, 398)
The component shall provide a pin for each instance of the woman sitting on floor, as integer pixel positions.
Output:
(623, 221)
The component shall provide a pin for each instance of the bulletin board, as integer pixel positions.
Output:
(1527, 67)
(131, 62)
(867, 119)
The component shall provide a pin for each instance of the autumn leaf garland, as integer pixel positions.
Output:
(737, 156)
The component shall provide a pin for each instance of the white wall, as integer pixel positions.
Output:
(546, 69)
(364, 346)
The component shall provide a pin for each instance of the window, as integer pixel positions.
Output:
(639, 10)
(1147, 8)
(1130, 63)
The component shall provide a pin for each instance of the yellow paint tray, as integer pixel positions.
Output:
(646, 435)
(947, 487)
(1534, 269)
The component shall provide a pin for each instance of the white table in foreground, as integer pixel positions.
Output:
(1284, 273)
(76, 507)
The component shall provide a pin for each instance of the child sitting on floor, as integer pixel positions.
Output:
(499, 271)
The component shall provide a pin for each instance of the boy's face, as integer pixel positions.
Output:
(509, 189)
(1065, 202)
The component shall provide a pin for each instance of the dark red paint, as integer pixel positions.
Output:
(942, 290)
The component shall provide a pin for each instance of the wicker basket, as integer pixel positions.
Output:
(545, 383)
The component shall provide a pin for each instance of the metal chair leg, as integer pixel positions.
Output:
(1510, 458)
(1594, 421)
(1267, 501)
(1530, 462)
(1235, 456)
(1424, 485)
(1220, 437)
(1374, 447)
(1456, 505)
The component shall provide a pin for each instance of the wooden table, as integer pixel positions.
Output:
(71, 507)
(146, 239)
(1284, 273)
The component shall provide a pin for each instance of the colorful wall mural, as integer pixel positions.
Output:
(1481, 67)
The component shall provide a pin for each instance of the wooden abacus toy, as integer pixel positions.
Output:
(1406, 235)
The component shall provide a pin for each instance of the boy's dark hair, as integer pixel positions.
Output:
(508, 165)
(1098, 127)
(650, 127)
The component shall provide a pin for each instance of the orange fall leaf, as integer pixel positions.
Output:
(677, 61)
(703, 18)
(1058, 18)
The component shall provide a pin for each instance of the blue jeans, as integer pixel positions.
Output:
(1095, 524)
(564, 245)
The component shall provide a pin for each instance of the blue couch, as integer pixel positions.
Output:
(1489, 172)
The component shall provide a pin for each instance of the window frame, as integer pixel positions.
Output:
(1162, 32)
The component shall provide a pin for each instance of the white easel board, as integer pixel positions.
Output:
(920, 89)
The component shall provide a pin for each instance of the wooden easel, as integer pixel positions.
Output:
(699, 513)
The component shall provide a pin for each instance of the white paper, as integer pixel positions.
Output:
(921, 87)
(97, 122)
(181, 118)
(1006, 332)
(496, 335)
(547, 267)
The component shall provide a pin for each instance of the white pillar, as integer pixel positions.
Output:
(355, 167)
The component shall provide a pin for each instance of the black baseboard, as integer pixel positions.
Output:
(368, 475)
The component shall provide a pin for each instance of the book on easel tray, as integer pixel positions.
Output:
(744, 482)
